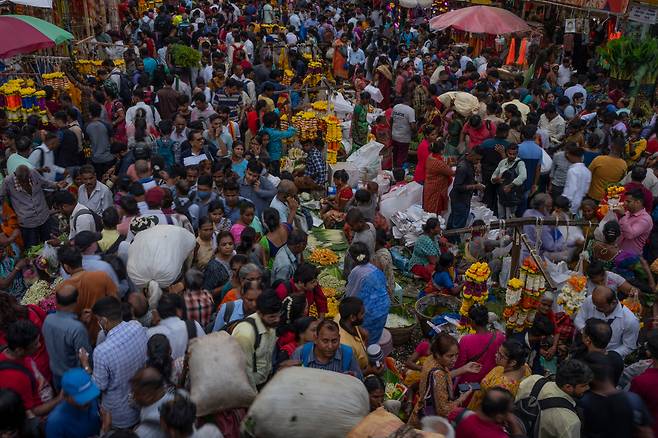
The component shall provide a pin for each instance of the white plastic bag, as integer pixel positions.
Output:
(546, 162)
(375, 93)
(342, 107)
(367, 160)
(401, 199)
(218, 375)
(307, 402)
(504, 275)
(156, 257)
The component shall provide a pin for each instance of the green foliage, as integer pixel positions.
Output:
(185, 56)
(631, 59)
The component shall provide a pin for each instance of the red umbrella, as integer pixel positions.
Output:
(24, 34)
(480, 19)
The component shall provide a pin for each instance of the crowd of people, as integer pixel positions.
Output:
(84, 352)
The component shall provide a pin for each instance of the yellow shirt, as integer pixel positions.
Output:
(357, 347)
(109, 237)
(244, 334)
(268, 101)
(605, 170)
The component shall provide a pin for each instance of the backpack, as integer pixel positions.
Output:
(125, 88)
(515, 195)
(8, 365)
(98, 221)
(346, 353)
(528, 410)
(184, 207)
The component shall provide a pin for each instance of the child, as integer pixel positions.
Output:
(364, 202)
(216, 215)
(247, 212)
(205, 246)
(238, 162)
(443, 278)
(250, 246)
(164, 145)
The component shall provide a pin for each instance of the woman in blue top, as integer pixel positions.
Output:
(443, 279)
(238, 162)
(426, 250)
(274, 147)
(368, 283)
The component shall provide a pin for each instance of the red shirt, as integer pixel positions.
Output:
(646, 386)
(486, 130)
(36, 315)
(422, 154)
(475, 427)
(20, 382)
(315, 296)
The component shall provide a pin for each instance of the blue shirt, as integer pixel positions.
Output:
(274, 147)
(443, 280)
(93, 263)
(531, 154)
(149, 66)
(240, 168)
(238, 314)
(67, 421)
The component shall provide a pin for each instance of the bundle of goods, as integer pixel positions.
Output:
(91, 66)
(572, 294)
(383, 424)
(20, 100)
(323, 257)
(306, 124)
(333, 138)
(474, 290)
(313, 74)
(288, 75)
(57, 80)
(613, 199)
(298, 401)
(144, 5)
(408, 224)
(328, 238)
(332, 278)
(464, 103)
(294, 158)
(522, 296)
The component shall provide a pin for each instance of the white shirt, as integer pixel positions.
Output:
(42, 156)
(612, 281)
(563, 75)
(152, 114)
(555, 127)
(625, 326)
(569, 92)
(84, 222)
(268, 13)
(100, 198)
(401, 119)
(248, 47)
(463, 62)
(291, 38)
(578, 179)
(295, 21)
(650, 182)
(356, 57)
(175, 330)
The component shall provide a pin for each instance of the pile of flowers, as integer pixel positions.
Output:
(572, 295)
(612, 199)
(475, 288)
(522, 296)
(634, 306)
(323, 257)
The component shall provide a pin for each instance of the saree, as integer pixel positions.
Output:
(340, 60)
(438, 176)
(624, 263)
(369, 283)
(496, 378)
(17, 287)
(359, 126)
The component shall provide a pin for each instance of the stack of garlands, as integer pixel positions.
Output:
(474, 290)
(572, 294)
(333, 138)
(514, 316)
(613, 198)
(306, 124)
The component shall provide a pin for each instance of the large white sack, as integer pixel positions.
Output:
(465, 103)
(401, 199)
(307, 402)
(218, 376)
(367, 160)
(156, 257)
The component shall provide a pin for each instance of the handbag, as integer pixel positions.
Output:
(515, 195)
(429, 404)
(486, 348)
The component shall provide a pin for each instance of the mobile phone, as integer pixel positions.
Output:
(465, 387)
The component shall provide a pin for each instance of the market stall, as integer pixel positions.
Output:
(21, 34)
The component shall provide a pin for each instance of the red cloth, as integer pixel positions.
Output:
(423, 271)
(20, 382)
(316, 296)
(36, 315)
(646, 193)
(474, 427)
(471, 346)
(646, 386)
(486, 130)
(422, 154)
(652, 145)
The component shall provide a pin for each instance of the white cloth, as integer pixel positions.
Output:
(522, 107)
(152, 114)
(563, 75)
(175, 330)
(625, 326)
(579, 178)
(555, 127)
(650, 182)
(612, 280)
(100, 199)
(569, 92)
(84, 222)
(402, 117)
(42, 156)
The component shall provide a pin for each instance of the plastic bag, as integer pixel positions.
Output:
(367, 160)
(401, 199)
(546, 162)
(598, 233)
(218, 375)
(375, 93)
(341, 105)
(504, 275)
(307, 402)
(50, 253)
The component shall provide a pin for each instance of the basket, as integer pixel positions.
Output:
(442, 304)
(400, 335)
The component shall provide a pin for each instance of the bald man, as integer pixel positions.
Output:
(604, 304)
(64, 335)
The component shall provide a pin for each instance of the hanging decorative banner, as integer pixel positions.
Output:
(643, 14)
(570, 25)
(35, 3)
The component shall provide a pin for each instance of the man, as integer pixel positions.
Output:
(201, 111)
(167, 99)
(99, 133)
(552, 122)
(509, 176)
(91, 286)
(257, 337)
(64, 334)
(116, 360)
(356, 57)
(178, 416)
(316, 168)
(571, 382)
(78, 415)
(578, 177)
(231, 98)
(494, 418)
(630, 416)
(25, 190)
(152, 114)
(639, 178)
(288, 257)
(403, 125)
(327, 353)
(171, 310)
(199, 303)
(531, 154)
(179, 135)
(202, 198)
(150, 391)
(23, 146)
(596, 336)
(236, 310)
(87, 243)
(285, 201)
(564, 72)
(607, 170)
(231, 199)
(80, 217)
(463, 187)
(352, 312)
(93, 194)
(646, 384)
(636, 224)
(604, 304)
(257, 188)
(43, 158)
(17, 368)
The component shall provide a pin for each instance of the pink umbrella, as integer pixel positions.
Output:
(480, 19)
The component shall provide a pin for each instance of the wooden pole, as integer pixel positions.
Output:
(515, 252)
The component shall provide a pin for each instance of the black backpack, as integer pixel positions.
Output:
(184, 207)
(125, 88)
(528, 410)
(98, 221)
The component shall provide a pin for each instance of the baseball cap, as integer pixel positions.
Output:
(77, 384)
(85, 238)
(154, 196)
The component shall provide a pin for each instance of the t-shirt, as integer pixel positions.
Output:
(401, 119)
(476, 136)
(646, 386)
(473, 426)
(443, 280)
(20, 382)
(615, 415)
(68, 421)
(605, 170)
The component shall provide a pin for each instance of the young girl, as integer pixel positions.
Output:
(256, 149)
(443, 279)
(225, 246)
(415, 362)
(247, 212)
(250, 246)
(205, 246)
(219, 221)
(238, 162)
(165, 145)
(297, 332)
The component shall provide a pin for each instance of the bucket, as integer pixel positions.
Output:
(430, 306)
(401, 335)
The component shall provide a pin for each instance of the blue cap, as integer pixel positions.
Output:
(77, 384)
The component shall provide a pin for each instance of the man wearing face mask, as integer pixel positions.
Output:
(116, 360)
(202, 198)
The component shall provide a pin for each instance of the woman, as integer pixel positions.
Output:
(438, 176)
(360, 121)
(437, 388)
(247, 212)
(479, 347)
(510, 370)
(274, 146)
(11, 275)
(238, 162)
(158, 356)
(426, 250)
(217, 272)
(205, 244)
(340, 58)
(429, 137)
(383, 260)
(383, 80)
(127, 211)
(299, 331)
(140, 134)
(277, 234)
(367, 282)
(376, 391)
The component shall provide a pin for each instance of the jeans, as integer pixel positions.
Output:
(37, 235)
(458, 217)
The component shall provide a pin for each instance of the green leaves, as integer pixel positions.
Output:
(184, 56)
(628, 58)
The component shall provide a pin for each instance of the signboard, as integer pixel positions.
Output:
(643, 14)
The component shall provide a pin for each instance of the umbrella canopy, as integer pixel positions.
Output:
(480, 19)
(23, 34)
